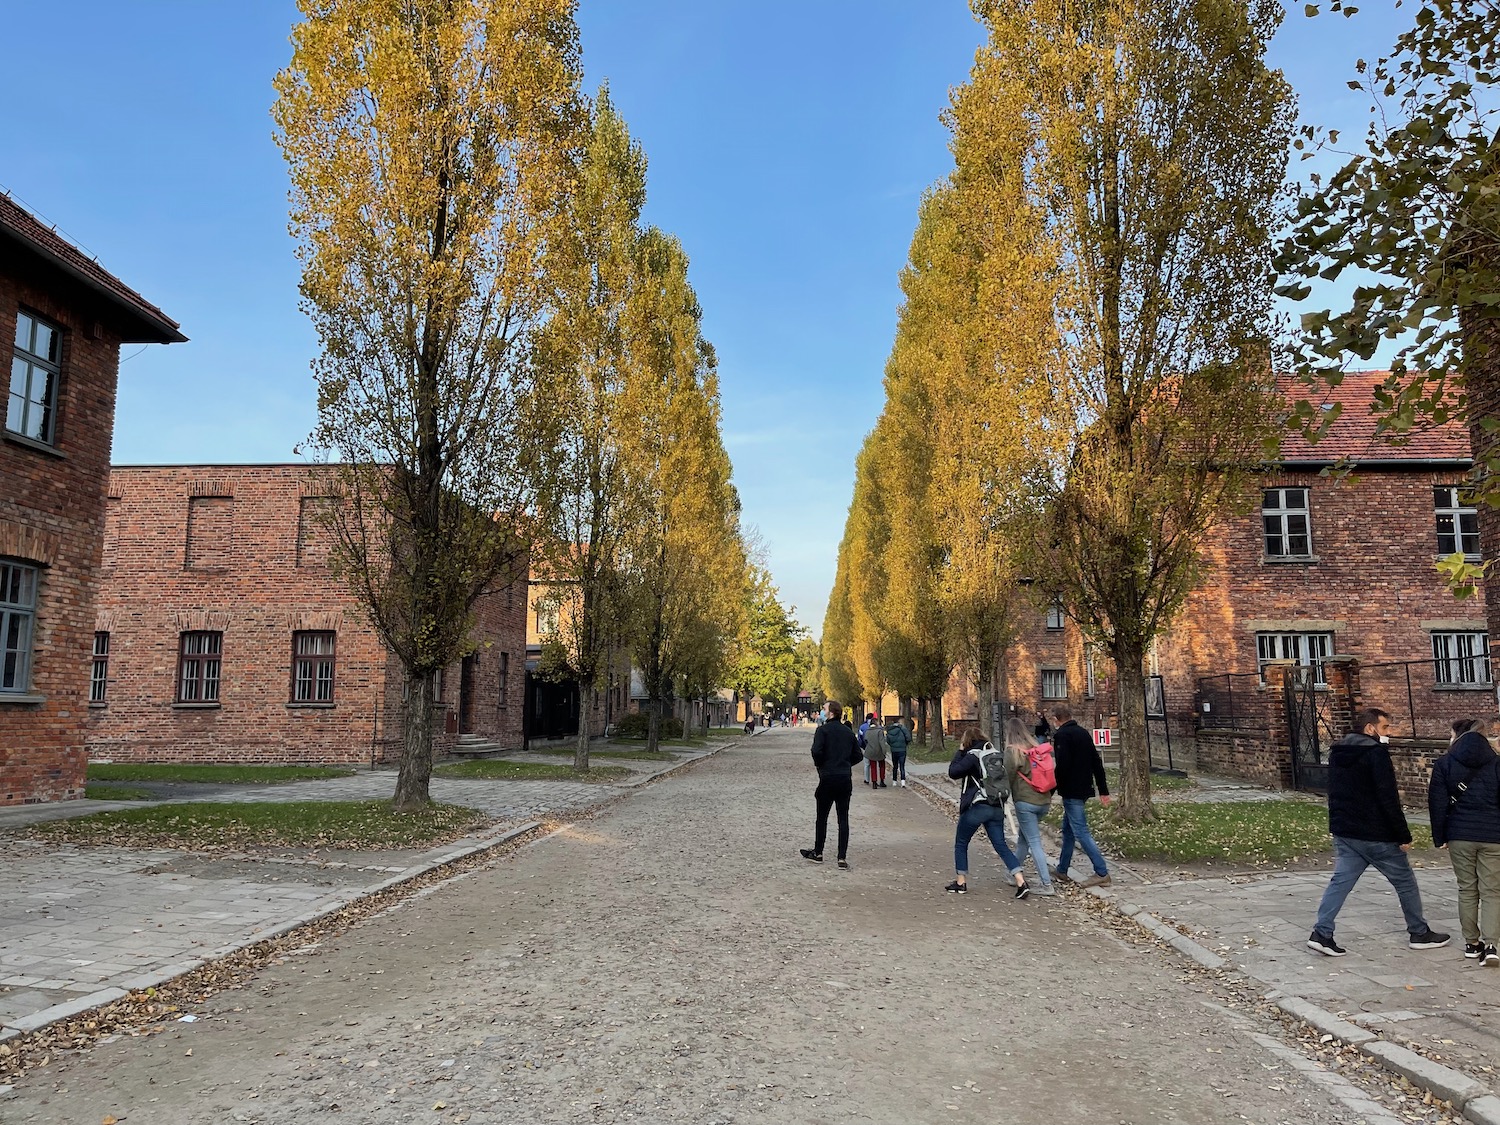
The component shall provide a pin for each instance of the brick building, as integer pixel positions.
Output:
(223, 635)
(553, 706)
(64, 319)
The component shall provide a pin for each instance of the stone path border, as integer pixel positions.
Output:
(1467, 1095)
(440, 858)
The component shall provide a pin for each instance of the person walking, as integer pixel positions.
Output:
(1463, 802)
(1031, 801)
(1369, 830)
(834, 752)
(1079, 769)
(877, 750)
(898, 738)
(863, 731)
(975, 811)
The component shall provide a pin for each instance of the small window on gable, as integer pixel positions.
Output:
(1288, 533)
(35, 372)
(1055, 614)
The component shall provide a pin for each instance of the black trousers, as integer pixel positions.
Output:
(833, 792)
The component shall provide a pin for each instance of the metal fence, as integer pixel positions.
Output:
(1231, 700)
(1424, 697)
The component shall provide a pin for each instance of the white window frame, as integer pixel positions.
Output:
(99, 669)
(1307, 649)
(1279, 516)
(1059, 679)
(1461, 659)
(1090, 679)
(27, 367)
(1462, 519)
(18, 597)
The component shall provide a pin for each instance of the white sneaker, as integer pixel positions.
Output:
(903, 783)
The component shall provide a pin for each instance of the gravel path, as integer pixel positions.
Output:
(674, 960)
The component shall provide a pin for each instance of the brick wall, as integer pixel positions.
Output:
(227, 549)
(51, 515)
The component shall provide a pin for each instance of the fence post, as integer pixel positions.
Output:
(1345, 696)
(1279, 733)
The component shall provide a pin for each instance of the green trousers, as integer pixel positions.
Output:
(1477, 868)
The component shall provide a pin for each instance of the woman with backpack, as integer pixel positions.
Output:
(1033, 779)
(979, 769)
(1463, 800)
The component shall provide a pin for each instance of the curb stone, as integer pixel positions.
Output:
(38, 1020)
(1464, 1093)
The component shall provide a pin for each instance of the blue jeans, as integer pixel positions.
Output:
(991, 818)
(898, 765)
(1350, 858)
(1028, 820)
(1076, 827)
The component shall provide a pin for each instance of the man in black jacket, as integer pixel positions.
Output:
(1079, 769)
(835, 751)
(1369, 830)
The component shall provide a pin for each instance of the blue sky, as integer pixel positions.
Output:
(789, 143)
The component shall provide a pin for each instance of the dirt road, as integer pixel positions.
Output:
(675, 960)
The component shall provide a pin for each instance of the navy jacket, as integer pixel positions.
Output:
(965, 770)
(1079, 767)
(896, 735)
(835, 750)
(1475, 816)
(1363, 803)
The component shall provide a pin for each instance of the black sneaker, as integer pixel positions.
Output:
(1023, 890)
(1325, 945)
(843, 865)
(1474, 950)
(1428, 940)
(1491, 956)
(808, 853)
(957, 888)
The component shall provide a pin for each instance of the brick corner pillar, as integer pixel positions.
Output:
(1345, 696)
(1278, 729)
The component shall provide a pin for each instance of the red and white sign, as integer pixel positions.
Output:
(1103, 736)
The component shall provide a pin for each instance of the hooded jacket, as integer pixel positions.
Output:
(1475, 816)
(1363, 802)
(835, 751)
(877, 749)
(897, 738)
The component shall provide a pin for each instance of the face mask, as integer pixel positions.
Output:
(1385, 740)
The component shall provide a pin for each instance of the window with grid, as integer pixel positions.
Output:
(31, 410)
(99, 670)
(1461, 658)
(1285, 516)
(1054, 683)
(1310, 649)
(312, 667)
(1055, 614)
(1457, 521)
(17, 624)
(1090, 680)
(504, 680)
(198, 665)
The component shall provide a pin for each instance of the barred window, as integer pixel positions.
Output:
(1461, 658)
(1284, 513)
(312, 667)
(504, 680)
(198, 665)
(17, 623)
(99, 671)
(1054, 683)
(1457, 521)
(1312, 649)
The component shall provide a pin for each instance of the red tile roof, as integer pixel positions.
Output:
(144, 323)
(1352, 435)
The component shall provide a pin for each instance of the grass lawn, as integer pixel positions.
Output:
(627, 755)
(495, 769)
(1243, 831)
(243, 824)
(115, 793)
(1159, 782)
(210, 774)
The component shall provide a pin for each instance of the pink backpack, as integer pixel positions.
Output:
(1040, 770)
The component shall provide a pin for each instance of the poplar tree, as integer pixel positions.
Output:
(1143, 143)
(428, 146)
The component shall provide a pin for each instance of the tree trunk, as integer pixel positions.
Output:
(653, 726)
(922, 720)
(939, 738)
(985, 682)
(414, 777)
(586, 697)
(1134, 802)
(1002, 691)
